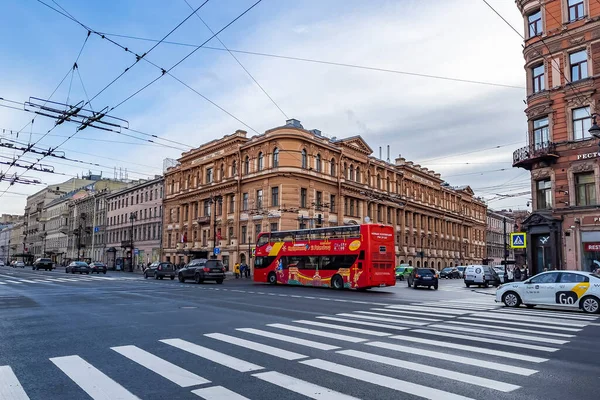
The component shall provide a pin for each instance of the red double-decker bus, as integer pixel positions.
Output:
(353, 256)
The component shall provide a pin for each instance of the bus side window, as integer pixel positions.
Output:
(361, 256)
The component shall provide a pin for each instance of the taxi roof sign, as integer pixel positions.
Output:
(518, 240)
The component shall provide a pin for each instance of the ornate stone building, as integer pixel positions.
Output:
(222, 194)
(562, 62)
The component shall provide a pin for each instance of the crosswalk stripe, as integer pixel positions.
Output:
(397, 311)
(218, 393)
(343, 328)
(540, 313)
(248, 344)
(212, 355)
(382, 380)
(17, 282)
(316, 332)
(507, 328)
(426, 369)
(10, 387)
(486, 340)
(395, 320)
(477, 302)
(25, 280)
(457, 359)
(162, 367)
(427, 309)
(558, 328)
(2, 283)
(97, 385)
(397, 316)
(368, 323)
(497, 333)
(527, 318)
(302, 387)
(473, 349)
(289, 339)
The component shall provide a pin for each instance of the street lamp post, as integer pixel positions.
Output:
(132, 217)
(249, 250)
(44, 236)
(215, 200)
(595, 129)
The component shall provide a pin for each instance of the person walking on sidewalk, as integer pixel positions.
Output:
(517, 274)
(236, 270)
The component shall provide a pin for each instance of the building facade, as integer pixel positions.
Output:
(222, 194)
(497, 241)
(562, 63)
(17, 245)
(5, 243)
(134, 213)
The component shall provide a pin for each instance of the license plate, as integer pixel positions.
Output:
(216, 270)
(478, 279)
(426, 277)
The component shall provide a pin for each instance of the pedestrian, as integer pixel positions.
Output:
(236, 270)
(517, 274)
(525, 273)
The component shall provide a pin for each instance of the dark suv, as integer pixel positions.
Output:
(160, 270)
(423, 277)
(43, 263)
(203, 270)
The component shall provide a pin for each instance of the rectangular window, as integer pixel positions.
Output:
(575, 10)
(319, 201)
(538, 78)
(541, 132)
(219, 206)
(332, 203)
(259, 199)
(544, 194)
(303, 197)
(586, 189)
(257, 229)
(275, 196)
(534, 21)
(351, 207)
(579, 68)
(245, 202)
(274, 226)
(582, 122)
(209, 175)
(231, 207)
(230, 232)
(244, 234)
(207, 208)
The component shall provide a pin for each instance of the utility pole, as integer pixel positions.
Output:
(93, 229)
(505, 251)
(132, 217)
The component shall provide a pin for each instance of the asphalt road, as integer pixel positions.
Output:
(119, 336)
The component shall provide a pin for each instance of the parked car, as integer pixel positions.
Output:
(78, 266)
(1, 263)
(423, 277)
(43, 263)
(500, 271)
(403, 271)
(159, 270)
(461, 271)
(570, 289)
(98, 267)
(18, 264)
(203, 270)
(450, 273)
(481, 275)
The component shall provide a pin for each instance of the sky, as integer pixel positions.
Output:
(465, 131)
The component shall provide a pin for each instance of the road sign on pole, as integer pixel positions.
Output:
(518, 240)
(217, 251)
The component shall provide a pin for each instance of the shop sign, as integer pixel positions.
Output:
(590, 220)
(587, 156)
(591, 246)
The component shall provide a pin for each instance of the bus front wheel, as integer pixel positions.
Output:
(272, 278)
(337, 282)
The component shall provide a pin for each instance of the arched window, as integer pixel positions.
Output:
(378, 181)
(351, 173)
(358, 179)
(439, 265)
(304, 159)
(276, 158)
(318, 165)
(387, 184)
(425, 264)
(418, 264)
(260, 163)
(332, 167)
(401, 261)
(247, 165)
(234, 168)
(410, 263)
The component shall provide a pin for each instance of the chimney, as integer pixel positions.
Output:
(380, 156)
(316, 132)
(294, 122)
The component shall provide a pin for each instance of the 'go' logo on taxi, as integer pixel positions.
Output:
(566, 297)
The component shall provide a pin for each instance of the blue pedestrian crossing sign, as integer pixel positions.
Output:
(518, 240)
(217, 251)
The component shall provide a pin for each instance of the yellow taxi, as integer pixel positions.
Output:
(574, 289)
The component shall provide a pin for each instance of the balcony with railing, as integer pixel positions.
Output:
(533, 153)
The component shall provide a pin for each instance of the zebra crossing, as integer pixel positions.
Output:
(54, 279)
(425, 350)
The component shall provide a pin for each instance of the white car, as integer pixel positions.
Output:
(575, 289)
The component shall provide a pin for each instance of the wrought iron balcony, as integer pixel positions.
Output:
(526, 156)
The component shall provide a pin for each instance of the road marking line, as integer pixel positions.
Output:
(344, 338)
(10, 387)
(540, 313)
(486, 340)
(172, 372)
(218, 393)
(507, 328)
(456, 346)
(2, 283)
(390, 310)
(398, 321)
(17, 282)
(527, 318)
(382, 380)
(426, 309)
(367, 323)
(457, 359)
(302, 387)
(289, 339)
(558, 328)
(92, 380)
(212, 355)
(344, 328)
(25, 280)
(496, 333)
(422, 368)
(248, 344)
